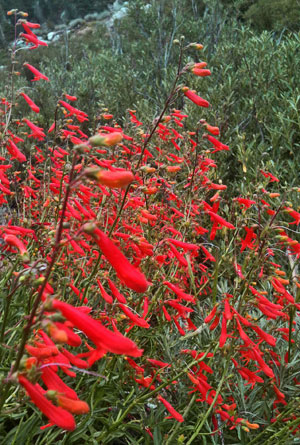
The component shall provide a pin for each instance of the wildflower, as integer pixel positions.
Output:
(252, 426)
(294, 214)
(247, 203)
(213, 130)
(269, 175)
(249, 239)
(30, 102)
(115, 292)
(179, 292)
(126, 272)
(70, 405)
(223, 336)
(201, 72)
(104, 294)
(264, 335)
(12, 240)
(37, 132)
(185, 246)
(30, 24)
(197, 46)
(73, 339)
(106, 139)
(218, 219)
(54, 382)
(14, 151)
(211, 315)
(42, 351)
(175, 414)
(182, 261)
(134, 318)
(218, 145)
(102, 337)
(158, 363)
(111, 179)
(199, 65)
(75, 360)
(57, 415)
(80, 115)
(194, 98)
(71, 98)
(30, 37)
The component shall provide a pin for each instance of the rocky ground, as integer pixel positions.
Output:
(84, 25)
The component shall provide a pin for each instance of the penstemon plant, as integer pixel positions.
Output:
(128, 269)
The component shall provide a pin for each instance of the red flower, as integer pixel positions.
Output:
(106, 139)
(201, 72)
(12, 240)
(30, 102)
(105, 295)
(14, 151)
(217, 144)
(73, 406)
(218, 219)
(133, 317)
(37, 74)
(127, 273)
(55, 414)
(54, 382)
(111, 179)
(171, 410)
(95, 331)
(224, 335)
(194, 98)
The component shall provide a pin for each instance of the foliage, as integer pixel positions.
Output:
(274, 14)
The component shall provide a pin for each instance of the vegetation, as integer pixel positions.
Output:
(149, 236)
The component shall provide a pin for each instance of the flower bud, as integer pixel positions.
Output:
(196, 46)
(106, 139)
(111, 179)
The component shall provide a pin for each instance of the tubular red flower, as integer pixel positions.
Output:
(54, 382)
(223, 336)
(201, 72)
(179, 292)
(58, 416)
(115, 292)
(217, 144)
(194, 98)
(218, 219)
(127, 273)
(105, 295)
(171, 410)
(30, 102)
(158, 363)
(14, 151)
(42, 352)
(37, 74)
(12, 240)
(133, 317)
(106, 139)
(111, 179)
(73, 406)
(99, 334)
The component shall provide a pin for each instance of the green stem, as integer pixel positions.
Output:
(279, 418)
(292, 315)
(204, 418)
